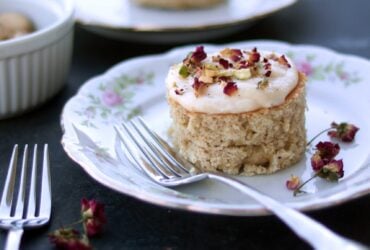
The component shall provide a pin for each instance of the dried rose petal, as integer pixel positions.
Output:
(268, 73)
(254, 56)
(236, 55)
(93, 216)
(69, 239)
(224, 79)
(273, 57)
(267, 66)
(230, 88)
(293, 182)
(283, 61)
(332, 171)
(179, 91)
(224, 63)
(198, 86)
(243, 64)
(343, 131)
(233, 54)
(198, 55)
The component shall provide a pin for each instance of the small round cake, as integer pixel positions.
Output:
(237, 111)
(179, 4)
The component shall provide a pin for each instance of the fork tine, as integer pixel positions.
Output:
(45, 197)
(164, 172)
(129, 151)
(31, 209)
(154, 153)
(22, 185)
(7, 195)
(161, 147)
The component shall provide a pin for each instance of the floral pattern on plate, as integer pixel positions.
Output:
(113, 99)
(332, 71)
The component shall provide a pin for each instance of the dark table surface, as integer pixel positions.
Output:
(341, 25)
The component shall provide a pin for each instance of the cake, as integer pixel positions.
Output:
(13, 24)
(237, 111)
(179, 4)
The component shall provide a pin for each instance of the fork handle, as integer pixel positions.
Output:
(313, 232)
(13, 240)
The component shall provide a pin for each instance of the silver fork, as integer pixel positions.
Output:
(147, 151)
(26, 214)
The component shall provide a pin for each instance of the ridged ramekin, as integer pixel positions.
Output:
(33, 68)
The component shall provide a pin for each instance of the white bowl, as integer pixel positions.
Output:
(34, 67)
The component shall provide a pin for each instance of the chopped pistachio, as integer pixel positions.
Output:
(225, 73)
(184, 72)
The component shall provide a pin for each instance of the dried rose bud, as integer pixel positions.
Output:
(230, 89)
(317, 162)
(332, 171)
(283, 61)
(343, 131)
(198, 87)
(93, 216)
(69, 239)
(198, 55)
(293, 182)
(327, 150)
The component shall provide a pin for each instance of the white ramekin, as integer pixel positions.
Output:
(33, 68)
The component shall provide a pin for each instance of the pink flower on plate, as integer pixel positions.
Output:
(111, 98)
(343, 76)
(139, 80)
(305, 67)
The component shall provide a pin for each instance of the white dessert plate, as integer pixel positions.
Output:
(123, 19)
(337, 90)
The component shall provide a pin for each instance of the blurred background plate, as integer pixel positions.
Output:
(123, 19)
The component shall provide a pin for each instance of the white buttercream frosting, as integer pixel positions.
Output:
(248, 97)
